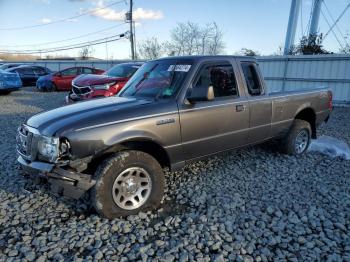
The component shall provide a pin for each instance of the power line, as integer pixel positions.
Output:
(67, 39)
(63, 49)
(335, 35)
(69, 47)
(62, 20)
(336, 21)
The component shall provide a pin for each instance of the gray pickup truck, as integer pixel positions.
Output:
(172, 111)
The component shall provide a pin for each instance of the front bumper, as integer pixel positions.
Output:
(63, 182)
(72, 97)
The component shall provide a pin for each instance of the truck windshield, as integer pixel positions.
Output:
(157, 79)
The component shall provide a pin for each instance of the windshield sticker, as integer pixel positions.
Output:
(179, 68)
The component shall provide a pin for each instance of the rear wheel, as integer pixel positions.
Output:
(298, 139)
(126, 183)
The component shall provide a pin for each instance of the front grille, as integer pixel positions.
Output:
(25, 142)
(81, 90)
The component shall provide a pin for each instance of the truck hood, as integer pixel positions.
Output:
(71, 117)
(89, 80)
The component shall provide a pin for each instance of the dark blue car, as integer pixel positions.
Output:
(29, 74)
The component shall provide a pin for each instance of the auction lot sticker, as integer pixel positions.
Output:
(179, 68)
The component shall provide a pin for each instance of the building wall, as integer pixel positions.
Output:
(282, 73)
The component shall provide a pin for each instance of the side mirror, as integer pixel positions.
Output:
(201, 93)
(58, 74)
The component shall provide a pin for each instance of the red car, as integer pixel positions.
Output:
(108, 84)
(62, 80)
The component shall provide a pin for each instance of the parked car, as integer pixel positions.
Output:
(9, 82)
(171, 112)
(29, 74)
(62, 80)
(108, 84)
(10, 65)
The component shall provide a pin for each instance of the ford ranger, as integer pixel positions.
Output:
(172, 111)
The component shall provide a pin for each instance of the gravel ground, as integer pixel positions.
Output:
(249, 205)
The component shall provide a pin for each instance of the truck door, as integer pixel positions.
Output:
(211, 126)
(259, 104)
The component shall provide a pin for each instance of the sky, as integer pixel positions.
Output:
(256, 24)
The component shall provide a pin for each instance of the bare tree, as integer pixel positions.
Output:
(279, 51)
(346, 48)
(191, 39)
(247, 52)
(151, 48)
(86, 52)
(216, 45)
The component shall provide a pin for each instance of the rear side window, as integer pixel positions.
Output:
(252, 79)
(87, 70)
(221, 76)
(39, 71)
(25, 71)
(70, 72)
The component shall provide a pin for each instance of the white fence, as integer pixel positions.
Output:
(282, 73)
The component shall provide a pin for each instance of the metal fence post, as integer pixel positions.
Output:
(285, 74)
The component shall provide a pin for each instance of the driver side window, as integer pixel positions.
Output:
(221, 77)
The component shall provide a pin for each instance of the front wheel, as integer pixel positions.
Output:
(52, 87)
(298, 139)
(126, 183)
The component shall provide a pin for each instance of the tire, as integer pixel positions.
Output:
(120, 173)
(298, 138)
(5, 92)
(53, 87)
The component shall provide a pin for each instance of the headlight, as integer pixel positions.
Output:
(48, 147)
(103, 87)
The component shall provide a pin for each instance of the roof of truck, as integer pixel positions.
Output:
(202, 57)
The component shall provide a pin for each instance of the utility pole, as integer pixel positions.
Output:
(131, 32)
(292, 26)
(315, 17)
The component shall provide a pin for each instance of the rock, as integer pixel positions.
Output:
(98, 255)
(30, 256)
(270, 210)
(160, 243)
(301, 240)
(216, 246)
(13, 253)
(219, 258)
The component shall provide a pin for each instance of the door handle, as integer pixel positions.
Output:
(239, 108)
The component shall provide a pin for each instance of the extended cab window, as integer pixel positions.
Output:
(221, 77)
(252, 79)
